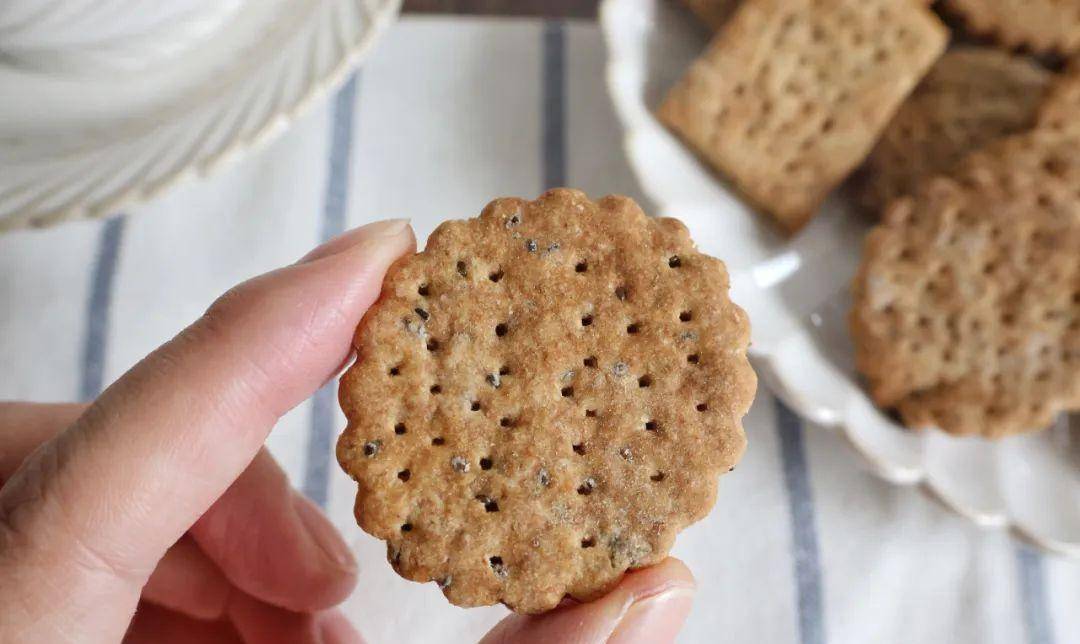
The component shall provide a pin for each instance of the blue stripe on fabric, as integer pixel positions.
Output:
(803, 526)
(96, 332)
(316, 483)
(1037, 622)
(317, 473)
(553, 107)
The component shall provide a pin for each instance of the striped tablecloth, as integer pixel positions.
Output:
(803, 545)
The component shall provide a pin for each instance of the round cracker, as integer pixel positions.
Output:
(967, 304)
(1060, 110)
(972, 96)
(1040, 25)
(543, 398)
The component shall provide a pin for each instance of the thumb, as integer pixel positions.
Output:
(87, 516)
(648, 606)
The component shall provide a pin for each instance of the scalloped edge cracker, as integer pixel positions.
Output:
(1041, 25)
(966, 312)
(543, 398)
(971, 97)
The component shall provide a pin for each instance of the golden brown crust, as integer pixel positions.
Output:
(972, 96)
(1060, 110)
(791, 94)
(713, 13)
(543, 398)
(1040, 25)
(967, 304)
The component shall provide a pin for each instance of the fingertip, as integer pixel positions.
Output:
(152, 623)
(275, 544)
(669, 572)
(317, 569)
(257, 621)
(335, 628)
(649, 605)
(662, 598)
(187, 581)
(339, 566)
(390, 229)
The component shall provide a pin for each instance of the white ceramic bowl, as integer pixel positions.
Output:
(116, 35)
(89, 141)
(797, 295)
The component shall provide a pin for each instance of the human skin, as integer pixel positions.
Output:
(155, 514)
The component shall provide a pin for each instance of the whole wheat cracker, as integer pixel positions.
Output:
(967, 304)
(713, 13)
(970, 97)
(1060, 109)
(1040, 25)
(543, 398)
(791, 95)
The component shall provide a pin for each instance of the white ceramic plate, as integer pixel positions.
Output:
(82, 134)
(796, 293)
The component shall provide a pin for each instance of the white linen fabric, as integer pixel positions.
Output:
(448, 113)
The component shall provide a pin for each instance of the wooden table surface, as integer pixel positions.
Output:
(546, 8)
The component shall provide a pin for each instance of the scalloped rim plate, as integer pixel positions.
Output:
(88, 143)
(796, 292)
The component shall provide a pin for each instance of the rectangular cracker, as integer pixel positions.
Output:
(714, 13)
(791, 95)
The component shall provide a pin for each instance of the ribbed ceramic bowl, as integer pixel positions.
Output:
(90, 127)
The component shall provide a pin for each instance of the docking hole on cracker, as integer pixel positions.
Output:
(526, 413)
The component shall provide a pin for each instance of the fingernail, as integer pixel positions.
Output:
(387, 229)
(654, 618)
(323, 533)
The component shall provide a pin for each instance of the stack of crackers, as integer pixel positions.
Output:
(967, 305)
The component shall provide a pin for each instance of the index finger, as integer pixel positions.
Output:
(260, 535)
(115, 490)
(27, 425)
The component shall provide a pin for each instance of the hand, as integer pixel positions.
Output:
(155, 514)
